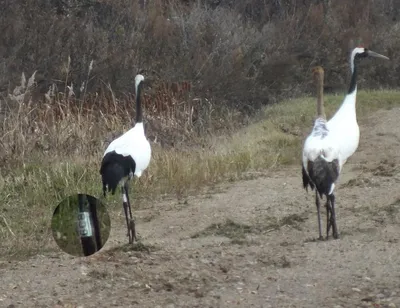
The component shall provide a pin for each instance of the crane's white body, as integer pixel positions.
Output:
(134, 144)
(344, 130)
(321, 142)
(337, 138)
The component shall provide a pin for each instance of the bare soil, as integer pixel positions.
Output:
(245, 244)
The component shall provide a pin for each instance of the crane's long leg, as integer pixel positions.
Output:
(328, 217)
(317, 203)
(130, 224)
(333, 216)
(125, 205)
(131, 220)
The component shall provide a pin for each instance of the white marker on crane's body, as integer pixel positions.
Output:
(84, 225)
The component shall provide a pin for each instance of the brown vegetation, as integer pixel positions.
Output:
(200, 59)
(248, 53)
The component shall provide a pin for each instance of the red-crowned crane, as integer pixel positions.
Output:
(320, 154)
(332, 143)
(125, 157)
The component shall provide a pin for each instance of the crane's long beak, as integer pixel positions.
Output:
(376, 55)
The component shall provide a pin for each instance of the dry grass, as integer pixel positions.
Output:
(238, 232)
(50, 153)
(229, 229)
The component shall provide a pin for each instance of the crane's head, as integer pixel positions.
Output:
(318, 72)
(362, 52)
(138, 79)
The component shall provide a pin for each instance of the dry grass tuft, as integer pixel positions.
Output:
(229, 229)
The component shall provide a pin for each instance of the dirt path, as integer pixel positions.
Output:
(260, 252)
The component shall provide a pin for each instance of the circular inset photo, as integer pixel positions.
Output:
(81, 225)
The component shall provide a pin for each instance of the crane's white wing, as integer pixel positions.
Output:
(135, 144)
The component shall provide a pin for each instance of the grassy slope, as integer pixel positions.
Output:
(29, 195)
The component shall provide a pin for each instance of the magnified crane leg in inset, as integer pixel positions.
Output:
(81, 225)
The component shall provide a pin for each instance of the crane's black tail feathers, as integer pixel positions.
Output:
(306, 179)
(321, 174)
(114, 168)
(111, 176)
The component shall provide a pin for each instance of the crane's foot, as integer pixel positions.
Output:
(327, 231)
(335, 232)
(336, 235)
(131, 231)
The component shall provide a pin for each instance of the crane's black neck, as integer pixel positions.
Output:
(139, 117)
(353, 82)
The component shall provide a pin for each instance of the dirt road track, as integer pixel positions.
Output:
(260, 252)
